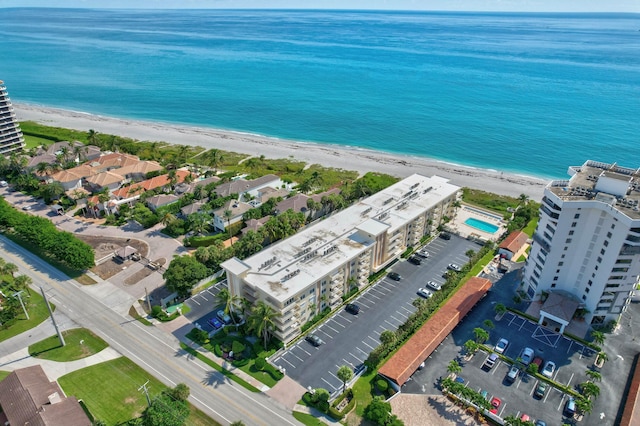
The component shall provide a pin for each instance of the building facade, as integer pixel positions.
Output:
(310, 271)
(11, 138)
(587, 243)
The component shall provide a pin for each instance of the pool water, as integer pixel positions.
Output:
(481, 225)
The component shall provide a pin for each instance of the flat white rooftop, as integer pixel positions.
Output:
(288, 267)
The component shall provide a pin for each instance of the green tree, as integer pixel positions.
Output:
(183, 273)
(387, 337)
(471, 346)
(166, 411)
(588, 389)
(454, 367)
(593, 375)
(198, 222)
(500, 309)
(489, 324)
(260, 321)
(180, 392)
(21, 282)
(9, 269)
(598, 337)
(378, 411)
(167, 218)
(469, 253)
(228, 215)
(345, 373)
(480, 334)
(230, 302)
(584, 405)
(237, 423)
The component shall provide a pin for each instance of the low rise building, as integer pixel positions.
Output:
(310, 271)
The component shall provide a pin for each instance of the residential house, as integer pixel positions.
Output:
(27, 397)
(73, 178)
(513, 245)
(267, 193)
(184, 188)
(109, 180)
(139, 171)
(161, 200)
(248, 188)
(192, 208)
(237, 208)
(113, 160)
(254, 224)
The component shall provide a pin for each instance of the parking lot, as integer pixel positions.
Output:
(348, 339)
(204, 305)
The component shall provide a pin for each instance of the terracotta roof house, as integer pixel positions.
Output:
(110, 180)
(139, 170)
(237, 208)
(72, 178)
(147, 185)
(513, 244)
(113, 160)
(251, 187)
(157, 201)
(27, 397)
(399, 368)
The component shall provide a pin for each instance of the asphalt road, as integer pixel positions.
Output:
(156, 352)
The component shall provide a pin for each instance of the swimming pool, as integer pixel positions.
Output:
(481, 225)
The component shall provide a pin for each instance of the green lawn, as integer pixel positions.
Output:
(37, 313)
(110, 391)
(4, 374)
(35, 141)
(50, 348)
(307, 419)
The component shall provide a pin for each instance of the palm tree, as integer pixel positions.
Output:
(500, 309)
(454, 368)
(584, 405)
(598, 337)
(9, 269)
(593, 375)
(589, 389)
(261, 321)
(602, 357)
(167, 218)
(92, 137)
(489, 324)
(230, 302)
(215, 159)
(228, 214)
(198, 222)
(21, 282)
(198, 192)
(360, 189)
(481, 334)
(471, 346)
(345, 373)
(523, 198)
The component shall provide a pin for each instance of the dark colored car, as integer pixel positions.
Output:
(570, 407)
(314, 340)
(445, 236)
(415, 260)
(394, 276)
(352, 308)
(541, 389)
(215, 323)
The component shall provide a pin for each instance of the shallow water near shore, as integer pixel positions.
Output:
(529, 94)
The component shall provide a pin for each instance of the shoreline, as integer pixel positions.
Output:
(337, 156)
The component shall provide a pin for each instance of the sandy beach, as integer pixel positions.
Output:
(312, 153)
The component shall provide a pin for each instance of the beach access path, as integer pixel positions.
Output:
(360, 160)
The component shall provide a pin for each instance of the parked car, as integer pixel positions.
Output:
(423, 253)
(454, 267)
(570, 407)
(394, 276)
(495, 403)
(416, 260)
(501, 346)
(314, 340)
(434, 285)
(484, 394)
(540, 423)
(445, 235)
(549, 369)
(512, 375)
(26, 208)
(490, 362)
(424, 293)
(215, 323)
(527, 355)
(525, 418)
(352, 308)
(541, 389)
(3, 183)
(538, 362)
(225, 318)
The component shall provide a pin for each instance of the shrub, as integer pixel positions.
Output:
(382, 385)
(237, 348)
(260, 363)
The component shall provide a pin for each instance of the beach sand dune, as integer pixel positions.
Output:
(313, 153)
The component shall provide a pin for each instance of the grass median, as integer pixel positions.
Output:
(79, 343)
(37, 313)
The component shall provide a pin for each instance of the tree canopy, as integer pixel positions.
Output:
(183, 273)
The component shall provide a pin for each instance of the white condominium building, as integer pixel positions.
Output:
(312, 270)
(11, 138)
(587, 244)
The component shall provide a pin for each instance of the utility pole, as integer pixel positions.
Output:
(55, 325)
(146, 392)
(18, 295)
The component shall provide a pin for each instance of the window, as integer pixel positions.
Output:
(560, 263)
(562, 257)
(609, 234)
(586, 290)
(574, 224)
(613, 226)
(555, 278)
(576, 216)
(599, 260)
(601, 251)
(606, 243)
(313, 290)
(571, 232)
(589, 283)
(553, 285)
(566, 248)
(568, 241)
(584, 297)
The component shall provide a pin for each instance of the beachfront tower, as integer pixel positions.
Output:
(11, 138)
(586, 248)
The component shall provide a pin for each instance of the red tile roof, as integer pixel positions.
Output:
(514, 241)
(149, 184)
(407, 360)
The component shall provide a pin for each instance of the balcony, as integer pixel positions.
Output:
(543, 243)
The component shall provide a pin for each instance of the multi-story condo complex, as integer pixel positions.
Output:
(310, 271)
(586, 247)
(11, 138)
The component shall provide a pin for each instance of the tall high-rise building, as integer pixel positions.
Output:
(11, 138)
(586, 248)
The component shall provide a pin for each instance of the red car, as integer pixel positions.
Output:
(495, 402)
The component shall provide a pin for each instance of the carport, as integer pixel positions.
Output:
(558, 310)
(406, 361)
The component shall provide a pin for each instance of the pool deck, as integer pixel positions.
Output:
(465, 212)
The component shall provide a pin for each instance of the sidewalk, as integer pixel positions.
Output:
(316, 413)
(54, 369)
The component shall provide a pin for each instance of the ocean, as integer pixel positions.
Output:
(521, 93)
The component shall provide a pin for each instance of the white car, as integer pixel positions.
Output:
(527, 356)
(501, 346)
(434, 285)
(549, 369)
(423, 252)
(424, 293)
(454, 267)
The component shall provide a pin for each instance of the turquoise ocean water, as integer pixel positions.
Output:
(523, 93)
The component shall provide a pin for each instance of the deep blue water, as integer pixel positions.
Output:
(525, 93)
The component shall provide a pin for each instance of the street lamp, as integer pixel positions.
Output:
(19, 296)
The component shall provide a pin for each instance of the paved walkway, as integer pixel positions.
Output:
(54, 369)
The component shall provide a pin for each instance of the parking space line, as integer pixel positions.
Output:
(361, 351)
(201, 295)
(336, 322)
(333, 329)
(285, 360)
(570, 379)
(394, 317)
(327, 382)
(308, 353)
(301, 360)
(373, 295)
(325, 333)
(195, 301)
(392, 325)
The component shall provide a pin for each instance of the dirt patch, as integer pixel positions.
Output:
(106, 246)
(139, 276)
